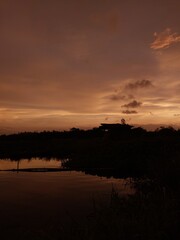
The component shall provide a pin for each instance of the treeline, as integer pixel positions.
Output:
(124, 149)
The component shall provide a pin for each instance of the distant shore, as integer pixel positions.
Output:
(130, 151)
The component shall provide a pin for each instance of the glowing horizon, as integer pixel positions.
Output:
(79, 63)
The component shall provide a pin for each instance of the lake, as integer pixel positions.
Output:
(34, 199)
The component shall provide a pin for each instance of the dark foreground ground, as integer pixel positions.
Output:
(152, 213)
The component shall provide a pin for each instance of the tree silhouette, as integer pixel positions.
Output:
(123, 121)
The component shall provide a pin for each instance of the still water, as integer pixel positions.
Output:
(26, 163)
(33, 198)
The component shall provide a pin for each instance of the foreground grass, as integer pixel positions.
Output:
(151, 214)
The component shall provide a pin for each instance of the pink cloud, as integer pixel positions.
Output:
(165, 39)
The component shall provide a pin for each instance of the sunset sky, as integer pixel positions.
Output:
(78, 63)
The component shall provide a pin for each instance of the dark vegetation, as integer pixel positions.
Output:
(112, 149)
(152, 214)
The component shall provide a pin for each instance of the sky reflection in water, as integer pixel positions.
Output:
(32, 163)
(40, 197)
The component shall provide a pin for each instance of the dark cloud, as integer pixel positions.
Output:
(129, 112)
(118, 97)
(133, 104)
(140, 84)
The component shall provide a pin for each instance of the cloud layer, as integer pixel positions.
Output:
(75, 63)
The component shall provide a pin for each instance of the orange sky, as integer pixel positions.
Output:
(77, 63)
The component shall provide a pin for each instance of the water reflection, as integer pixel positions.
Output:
(39, 200)
(80, 180)
(29, 163)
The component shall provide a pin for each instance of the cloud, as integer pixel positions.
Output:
(129, 112)
(118, 97)
(133, 104)
(165, 39)
(140, 84)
